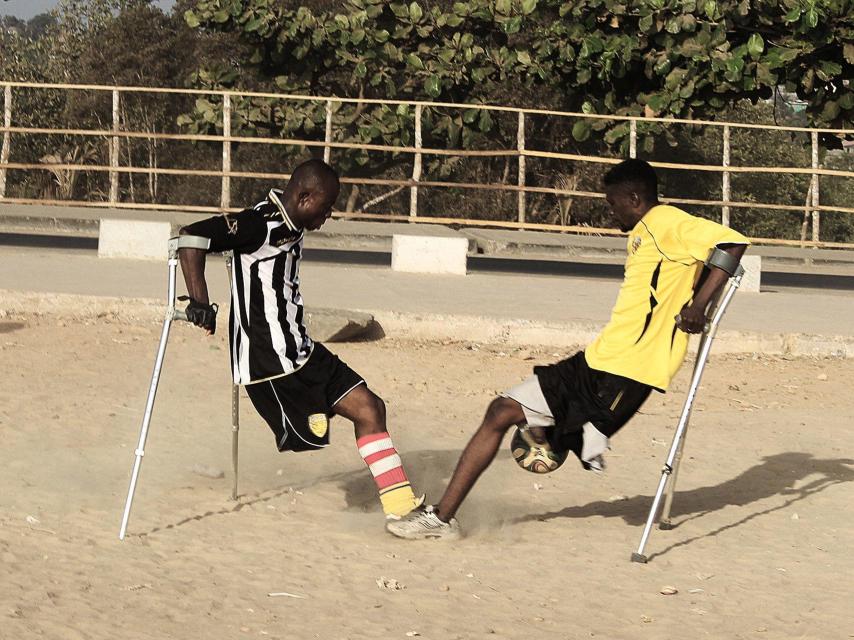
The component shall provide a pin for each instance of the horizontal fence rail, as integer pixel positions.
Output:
(811, 208)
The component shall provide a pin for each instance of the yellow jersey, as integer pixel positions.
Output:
(666, 251)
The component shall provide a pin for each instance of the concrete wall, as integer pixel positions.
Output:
(140, 239)
(429, 254)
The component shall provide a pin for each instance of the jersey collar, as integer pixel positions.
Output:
(273, 196)
(649, 216)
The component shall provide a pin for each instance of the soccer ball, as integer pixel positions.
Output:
(532, 456)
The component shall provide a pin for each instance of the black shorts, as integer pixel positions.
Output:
(577, 394)
(298, 406)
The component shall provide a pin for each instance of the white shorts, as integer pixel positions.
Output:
(529, 394)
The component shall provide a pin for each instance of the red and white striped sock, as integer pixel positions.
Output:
(378, 452)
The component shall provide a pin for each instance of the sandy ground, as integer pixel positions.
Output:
(762, 548)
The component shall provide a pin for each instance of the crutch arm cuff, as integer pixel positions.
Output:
(189, 242)
(724, 261)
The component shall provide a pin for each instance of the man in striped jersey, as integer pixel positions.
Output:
(579, 403)
(296, 384)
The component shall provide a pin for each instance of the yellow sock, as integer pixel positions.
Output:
(399, 499)
(385, 466)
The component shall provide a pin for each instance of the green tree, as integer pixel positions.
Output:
(680, 58)
(656, 57)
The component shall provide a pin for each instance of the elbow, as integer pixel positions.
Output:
(736, 250)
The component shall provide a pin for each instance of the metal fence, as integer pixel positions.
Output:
(812, 208)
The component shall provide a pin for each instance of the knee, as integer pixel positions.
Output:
(373, 410)
(501, 414)
(378, 409)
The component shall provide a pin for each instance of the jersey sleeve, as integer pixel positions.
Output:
(245, 231)
(699, 236)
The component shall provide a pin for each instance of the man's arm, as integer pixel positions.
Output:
(193, 267)
(244, 231)
(199, 311)
(692, 317)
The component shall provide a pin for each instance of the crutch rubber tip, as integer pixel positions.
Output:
(666, 526)
(639, 557)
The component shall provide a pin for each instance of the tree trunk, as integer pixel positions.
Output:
(152, 164)
(129, 155)
(351, 199)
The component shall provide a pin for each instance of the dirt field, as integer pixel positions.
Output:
(763, 546)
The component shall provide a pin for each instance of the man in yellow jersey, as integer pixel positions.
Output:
(580, 402)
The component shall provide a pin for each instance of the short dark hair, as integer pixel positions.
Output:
(314, 173)
(636, 174)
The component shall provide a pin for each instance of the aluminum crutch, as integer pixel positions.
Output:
(664, 522)
(675, 447)
(194, 242)
(235, 400)
(730, 265)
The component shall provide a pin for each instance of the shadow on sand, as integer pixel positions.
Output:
(429, 471)
(776, 475)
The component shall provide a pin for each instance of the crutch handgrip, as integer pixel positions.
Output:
(181, 314)
(678, 319)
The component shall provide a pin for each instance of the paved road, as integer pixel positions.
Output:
(533, 297)
(476, 264)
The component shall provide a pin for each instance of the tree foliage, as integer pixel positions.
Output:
(662, 57)
(679, 58)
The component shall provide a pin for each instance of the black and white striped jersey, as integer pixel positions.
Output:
(267, 333)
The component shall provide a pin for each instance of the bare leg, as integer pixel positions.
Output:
(364, 409)
(538, 434)
(502, 414)
(367, 412)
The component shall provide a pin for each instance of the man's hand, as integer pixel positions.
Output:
(691, 319)
(202, 315)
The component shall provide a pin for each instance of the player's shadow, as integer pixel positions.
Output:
(777, 475)
(429, 471)
(11, 327)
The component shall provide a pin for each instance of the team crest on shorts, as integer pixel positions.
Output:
(318, 423)
(636, 243)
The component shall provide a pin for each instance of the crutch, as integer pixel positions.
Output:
(728, 263)
(172, 314)
(235, 401)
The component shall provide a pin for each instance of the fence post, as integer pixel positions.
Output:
(416, 165)
(7, 122)
(225, 196)
(633, 138)
(725, 187)
(520, 146)
(114, 151)
(816, 215)
(327, 138)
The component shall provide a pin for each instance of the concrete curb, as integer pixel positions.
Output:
(354, 235)
(418, 326)
(576, 334)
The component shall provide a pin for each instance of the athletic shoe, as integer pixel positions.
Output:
(423, 524)
(419, 502)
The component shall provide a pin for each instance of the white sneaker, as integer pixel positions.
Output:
(423, 524)
(419, 502)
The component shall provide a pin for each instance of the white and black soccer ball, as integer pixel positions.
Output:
(534, 457)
